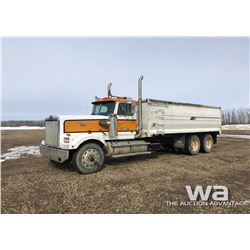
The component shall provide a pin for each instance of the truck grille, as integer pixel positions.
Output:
(52, 133)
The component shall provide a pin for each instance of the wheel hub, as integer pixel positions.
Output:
(209, 143)
(89, 158)
(195, 145)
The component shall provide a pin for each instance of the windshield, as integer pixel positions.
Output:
(103, 108)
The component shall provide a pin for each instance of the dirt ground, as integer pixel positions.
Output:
(143, 184)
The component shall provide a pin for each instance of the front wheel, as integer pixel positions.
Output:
(89, 158)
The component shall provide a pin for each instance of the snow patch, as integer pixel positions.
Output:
(235, 136)
(20, 152)
(236, 127)
(21, 128)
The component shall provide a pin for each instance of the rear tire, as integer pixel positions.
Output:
(192, 145)
(88, 159)
(207, 143)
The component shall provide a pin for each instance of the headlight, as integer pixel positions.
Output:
(66, 139)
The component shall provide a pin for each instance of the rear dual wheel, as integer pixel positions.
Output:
(195, 144)
(192, 145)
(207, 143)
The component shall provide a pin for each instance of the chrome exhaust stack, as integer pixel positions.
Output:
(139, 117)
(113, 130)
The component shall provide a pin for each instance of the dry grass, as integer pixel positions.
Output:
(134, 185)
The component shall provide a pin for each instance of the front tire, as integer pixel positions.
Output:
(192, 145)
(89, 158)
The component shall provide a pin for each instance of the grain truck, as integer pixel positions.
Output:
(121, 127)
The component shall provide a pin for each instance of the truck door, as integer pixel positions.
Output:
(127, 124)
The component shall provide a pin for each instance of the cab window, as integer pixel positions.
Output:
(125, 109)
(103, 108)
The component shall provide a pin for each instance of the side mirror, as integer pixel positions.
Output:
(133, 107)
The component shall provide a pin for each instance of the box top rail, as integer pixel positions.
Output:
(179, 103)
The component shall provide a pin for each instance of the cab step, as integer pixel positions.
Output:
(131, 154)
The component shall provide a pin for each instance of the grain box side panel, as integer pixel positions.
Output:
(188, 118)
(171, 118)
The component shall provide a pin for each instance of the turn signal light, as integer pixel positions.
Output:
(66, 139)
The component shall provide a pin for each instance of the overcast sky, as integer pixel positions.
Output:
(43, 76)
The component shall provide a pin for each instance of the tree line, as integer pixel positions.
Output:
(236, 116)
(39, 123)
(229, 116)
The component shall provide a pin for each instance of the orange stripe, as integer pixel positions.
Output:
(127, 125)
(81, 126)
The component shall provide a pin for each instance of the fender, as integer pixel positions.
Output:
(78, 139)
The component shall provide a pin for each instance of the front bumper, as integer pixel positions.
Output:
(55, 154)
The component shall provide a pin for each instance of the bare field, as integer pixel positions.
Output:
(142, 184)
